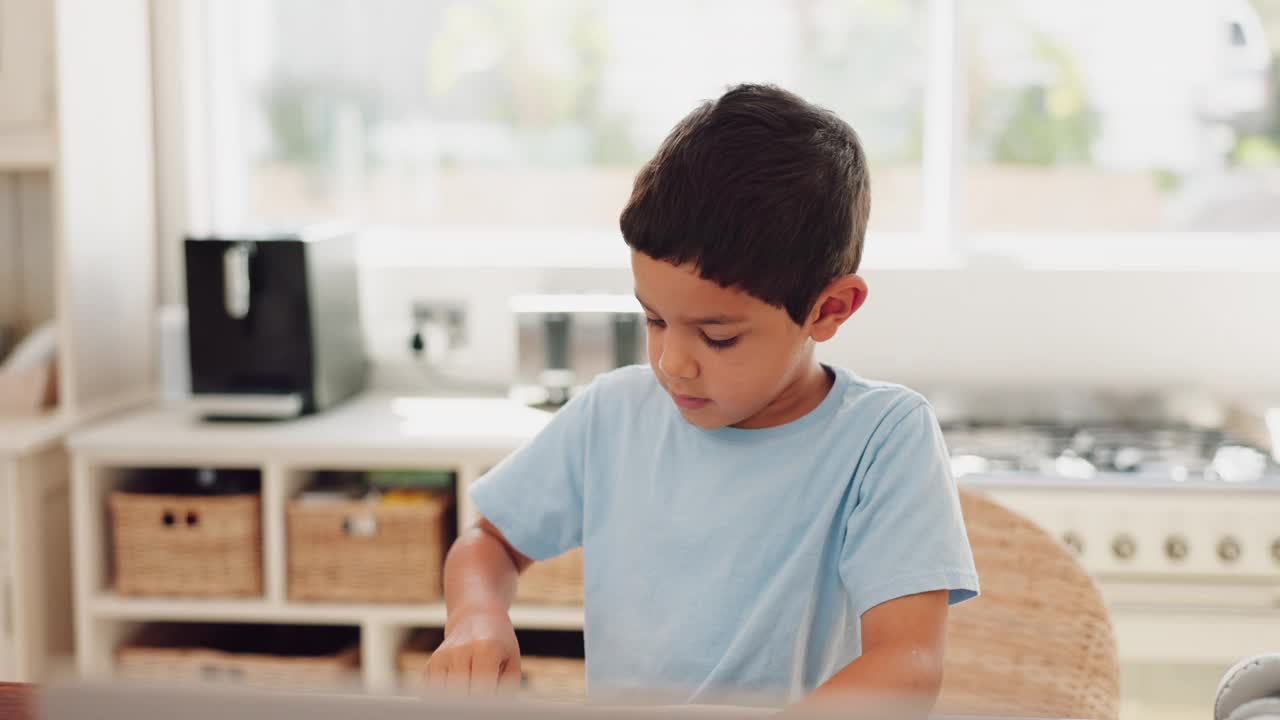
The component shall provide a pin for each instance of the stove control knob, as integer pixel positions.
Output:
(1229, 549)
(1073, 541)
(1176, 548)
(1124, 547)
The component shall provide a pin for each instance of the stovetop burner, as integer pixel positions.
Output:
(1099, 452)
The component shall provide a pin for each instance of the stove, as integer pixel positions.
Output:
(1110, 455)
(1179, 525)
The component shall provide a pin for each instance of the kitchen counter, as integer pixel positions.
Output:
(392, 426)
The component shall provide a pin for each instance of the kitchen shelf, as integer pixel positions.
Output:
(27, 152)
(373, 431)
(534, 617)
(118, 607)
(110, 606)
(22, 434)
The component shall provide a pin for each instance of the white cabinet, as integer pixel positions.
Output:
(26, 83)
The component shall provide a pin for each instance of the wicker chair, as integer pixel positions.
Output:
(1038, 642)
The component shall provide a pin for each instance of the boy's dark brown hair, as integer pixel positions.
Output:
(759, 190)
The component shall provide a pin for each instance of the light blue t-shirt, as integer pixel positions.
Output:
(719, 562)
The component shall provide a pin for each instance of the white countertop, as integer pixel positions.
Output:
(394, 427)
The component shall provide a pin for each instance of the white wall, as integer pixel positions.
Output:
(1125, 330)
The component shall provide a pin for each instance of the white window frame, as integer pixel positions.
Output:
(206, 184)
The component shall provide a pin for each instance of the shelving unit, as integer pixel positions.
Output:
(465, 436)
(77, 195)
(77, 250)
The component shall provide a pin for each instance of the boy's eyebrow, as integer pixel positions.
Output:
(705, 320)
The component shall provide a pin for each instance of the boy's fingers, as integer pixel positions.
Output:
(437, 671)
(484, 675)
(509, 678)
(458, 681)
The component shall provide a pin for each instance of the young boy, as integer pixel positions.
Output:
(753, 522)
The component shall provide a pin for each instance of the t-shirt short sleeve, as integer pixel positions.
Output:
(905, 534)
(535, 495)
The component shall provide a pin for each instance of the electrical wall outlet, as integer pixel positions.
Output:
(450, 315)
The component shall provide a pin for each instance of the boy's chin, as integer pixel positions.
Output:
(704, 419)
(700, 418)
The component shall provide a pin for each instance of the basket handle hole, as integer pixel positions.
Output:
(168, 518)
(193, 518)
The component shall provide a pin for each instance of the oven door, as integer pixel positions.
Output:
(1191, 579)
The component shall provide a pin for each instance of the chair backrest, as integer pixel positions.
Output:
(1038, 641)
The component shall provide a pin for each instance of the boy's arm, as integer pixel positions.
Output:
(481, 569)
(901, 661)
(479, 651)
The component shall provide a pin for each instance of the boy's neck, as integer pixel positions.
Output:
(797, 399)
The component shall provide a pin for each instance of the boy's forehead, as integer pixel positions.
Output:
(680, 290)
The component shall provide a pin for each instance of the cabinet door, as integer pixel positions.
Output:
(26, 65)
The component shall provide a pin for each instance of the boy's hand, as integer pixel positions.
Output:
(479, 655)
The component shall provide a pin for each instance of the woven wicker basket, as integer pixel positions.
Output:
(557, 581)
(367, 552)
(540, 677)
(277, 657)
(187, 545)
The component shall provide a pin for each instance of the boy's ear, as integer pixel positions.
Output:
(837, 302)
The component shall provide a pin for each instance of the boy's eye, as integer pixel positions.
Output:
(720, 344)
(711, 342)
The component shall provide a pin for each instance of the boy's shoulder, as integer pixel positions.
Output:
(864, 398)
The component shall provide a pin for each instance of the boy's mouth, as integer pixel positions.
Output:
(689, 402)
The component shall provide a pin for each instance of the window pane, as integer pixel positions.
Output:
(1138, 115)
(511, 113)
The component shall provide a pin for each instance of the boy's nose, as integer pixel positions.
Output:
(676, 363)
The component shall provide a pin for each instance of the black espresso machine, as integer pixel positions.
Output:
(273, 323)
